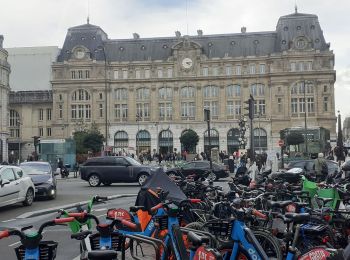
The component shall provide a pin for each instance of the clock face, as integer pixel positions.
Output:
(79, 54)
(187, 63)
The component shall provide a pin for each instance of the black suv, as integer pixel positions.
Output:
(110, 169)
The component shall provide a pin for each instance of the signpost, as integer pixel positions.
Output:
(281, 144)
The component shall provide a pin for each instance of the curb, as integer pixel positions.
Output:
(67, 206)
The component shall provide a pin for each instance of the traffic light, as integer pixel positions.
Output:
(36, 140)
(250, 107)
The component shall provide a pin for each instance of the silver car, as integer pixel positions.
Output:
(15, 186)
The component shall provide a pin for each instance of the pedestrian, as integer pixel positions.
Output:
(60, 166)
(321, 168)
(231, 164)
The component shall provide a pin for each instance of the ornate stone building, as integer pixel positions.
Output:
(4, 93)
(145, 92)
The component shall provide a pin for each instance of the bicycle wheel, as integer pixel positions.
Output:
(269, 243)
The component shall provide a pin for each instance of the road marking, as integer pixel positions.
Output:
(99, 209)
(77, 257)
(15, 243)
(8, 220)
(101, 215)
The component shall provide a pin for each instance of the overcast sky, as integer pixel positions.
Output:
(45, 22)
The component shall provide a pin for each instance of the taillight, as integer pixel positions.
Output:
(327, 217)
(291, 208)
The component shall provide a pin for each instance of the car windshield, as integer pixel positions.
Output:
(32, 169)
(132, 161)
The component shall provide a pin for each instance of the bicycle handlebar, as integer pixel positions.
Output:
(84, 215)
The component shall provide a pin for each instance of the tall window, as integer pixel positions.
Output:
(73, 74)
(215, 71)
(100, 107)
(325, 104)
(310, 105)
(125, 74)
(49, 114)
(188, 109)
(205, 71)
(294, 105)
(212, 106)
(259, 107)
(81, 107)
(234, 108)
(279, 105)
(142, 94)
(147, 73)
(116, 74)
(60, 111)
(143, 110)
(160, 73)
(121, 111)
(170, 72)
(165, 93)
(87, 74)
(292, 66)
(262, 68)
(165, 111)
(121, 94)
(260, 139)
(252, 69)
(187, 92)
(211, 91)
(48, 131)
(137, 74)
(14, 123)
(41, 131)
(257, 90)
(238, 70)
(228, 70)
(302, 98)
(233, 91)
(41, 114)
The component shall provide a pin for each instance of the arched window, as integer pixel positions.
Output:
(143, 141)
(260, 140)
(257, 90)
(121, 140)
(232, 140)
(211, 91)
(165, 93)
(165, 141)
(121, 94)
(214, 140)
(187, 92)
(142, 94)
(81, 95)
(233, 91)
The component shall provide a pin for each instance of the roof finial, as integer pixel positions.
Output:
(88, 12)
(88, 20)
(296, 7)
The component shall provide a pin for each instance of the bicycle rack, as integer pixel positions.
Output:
(155, 243)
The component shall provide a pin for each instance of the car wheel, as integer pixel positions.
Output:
(107, 183)
(212, 176)
(94, 180)
(142, 178)
(29, 197)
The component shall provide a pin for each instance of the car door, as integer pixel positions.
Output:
(123, 169)
(201, 167)
(9, 193)
(188, 169)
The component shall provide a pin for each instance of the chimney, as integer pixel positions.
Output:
(136, 36)
(1, 40)
(178, 34)
(243, 29)
(200, 33)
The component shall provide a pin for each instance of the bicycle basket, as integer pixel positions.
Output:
(117, 241)
(310, 186)
(47, 250)
(220, 228)
(161, 222)
(329, 193)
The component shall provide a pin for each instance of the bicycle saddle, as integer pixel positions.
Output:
(279, 204)
(297, 217)
(197, 240)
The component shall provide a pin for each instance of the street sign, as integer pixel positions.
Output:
(280, 143)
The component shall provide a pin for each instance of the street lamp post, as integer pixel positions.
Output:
(305, 119)
(259, 115)
(19, 140)
(207, 118)
(137, 135)
(168, 132)
(102, 48)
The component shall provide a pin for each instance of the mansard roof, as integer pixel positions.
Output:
(288, 28)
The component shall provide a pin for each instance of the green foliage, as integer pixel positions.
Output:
(189, 140)
(90, 140)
